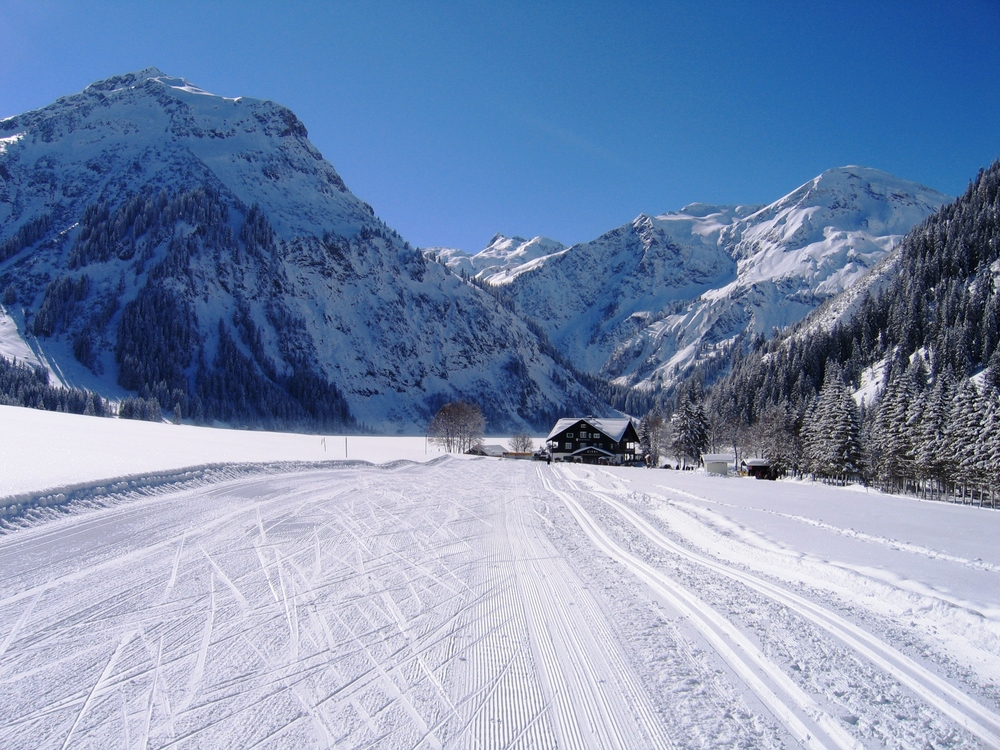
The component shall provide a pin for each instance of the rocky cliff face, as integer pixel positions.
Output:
(158, 239)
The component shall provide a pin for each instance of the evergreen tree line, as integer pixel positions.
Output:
(59, 303)
(158, 346)
(934, 437)
(146, 409)
(935, 323)
(105, 234)
(685, 434)
(29, 234)
(24, 385)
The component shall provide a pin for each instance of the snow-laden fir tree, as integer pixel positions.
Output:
(931, 456)
(964, 430)
(690, 428)
(832, 433)
(644, 439)
(893, 440)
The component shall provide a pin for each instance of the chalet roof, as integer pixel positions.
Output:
(613, 428)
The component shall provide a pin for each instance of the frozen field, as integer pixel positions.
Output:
(487, 604)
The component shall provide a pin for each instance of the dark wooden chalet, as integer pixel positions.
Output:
(593, 441)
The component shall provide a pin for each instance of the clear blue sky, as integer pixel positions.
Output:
(456, 120)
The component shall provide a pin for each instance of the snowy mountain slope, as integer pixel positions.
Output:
(158, 239)
(830, 230)
(592, 296)
(501, 255)
(654, 297)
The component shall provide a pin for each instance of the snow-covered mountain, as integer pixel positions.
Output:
(503, 254)
(159, 239)
(644, 302)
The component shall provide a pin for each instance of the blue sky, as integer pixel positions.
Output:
(457, 120)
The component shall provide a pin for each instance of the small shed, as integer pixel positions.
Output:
(717, 463)
(759, 468)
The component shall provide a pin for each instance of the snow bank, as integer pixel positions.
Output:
(41, 450)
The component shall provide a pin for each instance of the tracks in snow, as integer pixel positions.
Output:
(786, 699)
(595, 699)
(351, 608)
(459, 605)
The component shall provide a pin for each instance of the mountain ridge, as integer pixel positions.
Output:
(733, 271)
(166, 241)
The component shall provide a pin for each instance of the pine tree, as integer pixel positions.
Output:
(931, 444)
(984, 453)
(644, 438)
(845, 433)
(963, 430)
(690, 428)
(990, 442)
(833, 441)
(779, 443)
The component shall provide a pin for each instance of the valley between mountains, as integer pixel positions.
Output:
(163, 242)
(320, 577)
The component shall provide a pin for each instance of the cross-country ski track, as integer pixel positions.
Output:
(493, 604)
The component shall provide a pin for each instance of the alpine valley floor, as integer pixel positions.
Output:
(491, 604)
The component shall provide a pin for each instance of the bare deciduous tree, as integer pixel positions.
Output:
(521, 444)
(457, 426)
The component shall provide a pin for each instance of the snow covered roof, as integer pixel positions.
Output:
(496, 451)
(716, 458)
(613, 428)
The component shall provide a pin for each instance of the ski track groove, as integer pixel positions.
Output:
(936, 691)
(933, 690)
(774, 689)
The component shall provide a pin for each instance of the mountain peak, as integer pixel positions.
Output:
(125, 80)
(850, 178)
(145, 129)
(138, 79)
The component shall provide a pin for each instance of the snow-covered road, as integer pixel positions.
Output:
(501, 604)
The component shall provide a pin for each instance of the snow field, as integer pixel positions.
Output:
(488, 603)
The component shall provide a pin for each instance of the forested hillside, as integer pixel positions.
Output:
(934, 325)
(196, 253)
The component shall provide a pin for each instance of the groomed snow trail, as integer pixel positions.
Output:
(936, 691)
(464, 604)
(800, 669)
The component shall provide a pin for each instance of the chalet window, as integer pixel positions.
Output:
(569, 435)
